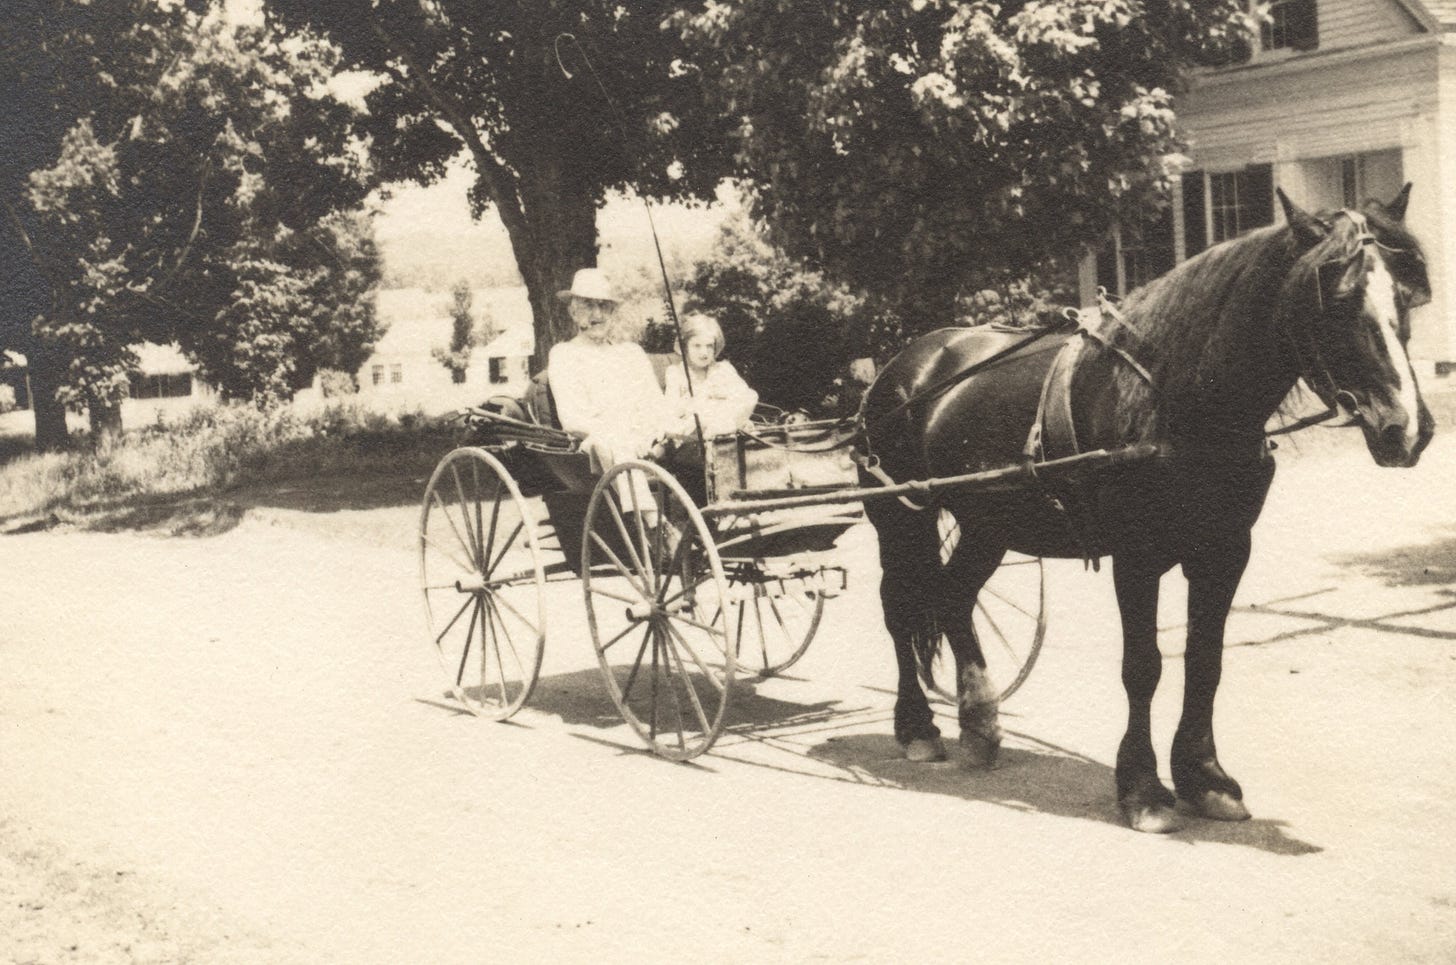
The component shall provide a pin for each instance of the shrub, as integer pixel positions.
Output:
(7, 399)
(334, 383)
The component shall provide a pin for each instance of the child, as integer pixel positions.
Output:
(720, 398)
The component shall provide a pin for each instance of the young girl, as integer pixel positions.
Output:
(720, 398)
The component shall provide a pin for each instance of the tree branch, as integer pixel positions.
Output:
(497, 178)
(196, 227)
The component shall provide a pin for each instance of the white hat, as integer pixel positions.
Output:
(589, 283)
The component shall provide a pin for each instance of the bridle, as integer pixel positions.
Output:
(1309, 359)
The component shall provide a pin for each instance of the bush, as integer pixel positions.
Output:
(334, 383)
(7, 399)
(214, 449)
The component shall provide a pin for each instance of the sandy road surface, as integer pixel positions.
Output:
(229, 749)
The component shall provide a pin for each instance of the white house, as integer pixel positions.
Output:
(165, 386)
(1339, 100)
(403, 371)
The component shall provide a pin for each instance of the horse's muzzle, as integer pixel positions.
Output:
(1389, 440)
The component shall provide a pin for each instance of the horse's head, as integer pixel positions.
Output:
(1347, 310)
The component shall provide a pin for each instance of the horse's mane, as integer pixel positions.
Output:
(1205, 315)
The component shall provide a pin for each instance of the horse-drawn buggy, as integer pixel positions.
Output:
(975, 454)
(692, 575)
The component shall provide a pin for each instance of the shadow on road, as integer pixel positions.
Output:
(825, 740)
(1424, 564)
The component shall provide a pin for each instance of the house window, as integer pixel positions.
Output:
(498, 370)
(1352, 180)
(396, 373)
(1292, 25)
(1220, 206)
(168, 385)
(1136, 254)
(376, 374)
(1239, 200)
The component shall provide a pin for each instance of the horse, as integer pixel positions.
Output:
(1198, 363)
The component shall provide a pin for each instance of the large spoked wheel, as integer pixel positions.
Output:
(657, 606)
(774, 625)
(483, 583)
(1010, 621)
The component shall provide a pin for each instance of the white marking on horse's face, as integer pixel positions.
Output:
(1381, 306)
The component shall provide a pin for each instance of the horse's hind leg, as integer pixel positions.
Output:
(978, 698)
(1145, 803)
(909, 573)
(1198, 778)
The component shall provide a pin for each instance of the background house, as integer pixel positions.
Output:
(403, 372)
(1339, 100)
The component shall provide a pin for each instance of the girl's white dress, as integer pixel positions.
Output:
(722, 400)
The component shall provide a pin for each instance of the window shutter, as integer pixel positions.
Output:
(1195, 232)
(1304, 25)
(1257, 186)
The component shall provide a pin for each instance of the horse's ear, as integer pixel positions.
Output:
(1397, 207)
(1307, 228)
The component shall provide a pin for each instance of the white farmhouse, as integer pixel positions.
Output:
(1338, 101)
(403, 371)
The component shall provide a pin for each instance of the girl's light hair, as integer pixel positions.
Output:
(705, 325)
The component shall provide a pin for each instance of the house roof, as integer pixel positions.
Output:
(1443, 12)
(418, 320)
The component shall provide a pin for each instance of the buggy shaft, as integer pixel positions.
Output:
(1008, 477)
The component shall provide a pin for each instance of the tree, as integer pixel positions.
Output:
(172, 187)
(463, 337)
(487, 78)
(789, 331)
(924, 148)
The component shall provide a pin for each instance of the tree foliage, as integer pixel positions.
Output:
(165, 178)
(921, 148)
(789, 331)
(487, 78)
(456, 356)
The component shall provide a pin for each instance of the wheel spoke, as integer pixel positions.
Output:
(1011, 603)
(783, 627)
(469, 638)
(706, 577)
(500, 665)
(465, 512)
(701, 626)
(628, 629)
(502, 601)
(697, 658)
(688, 686)
(453, 619)
(621, 567)
(996, 629)
(673, 566)
(615, 596)
(641, 528)
(672, 689)
(611, 501)
(762, 637)
(489, 542)
(469, 550)
(464, 567)
(636, 664)
(505, 547)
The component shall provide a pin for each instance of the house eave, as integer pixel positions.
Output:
(1315, 60)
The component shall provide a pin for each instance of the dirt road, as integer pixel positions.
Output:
(230, 749)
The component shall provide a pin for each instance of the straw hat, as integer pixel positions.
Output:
(589, 283)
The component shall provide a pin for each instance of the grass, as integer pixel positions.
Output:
(215, 452)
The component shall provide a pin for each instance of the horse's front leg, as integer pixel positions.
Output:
(1145, 803)
(1199, 779)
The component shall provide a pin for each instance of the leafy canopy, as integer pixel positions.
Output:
(919, 147)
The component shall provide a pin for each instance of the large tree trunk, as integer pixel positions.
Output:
(45, 371)
(105, 419)
(555, 236)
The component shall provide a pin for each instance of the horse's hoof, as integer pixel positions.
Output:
(980, 751)
(1218, 806)
(1150, 818)
(924, 750)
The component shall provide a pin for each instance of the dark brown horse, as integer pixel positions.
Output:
(1202, 358)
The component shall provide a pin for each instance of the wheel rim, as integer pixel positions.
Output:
(1010, 621)
(668, 670)
(483, 583)
(773, 627)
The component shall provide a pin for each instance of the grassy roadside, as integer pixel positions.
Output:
(203, 463)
